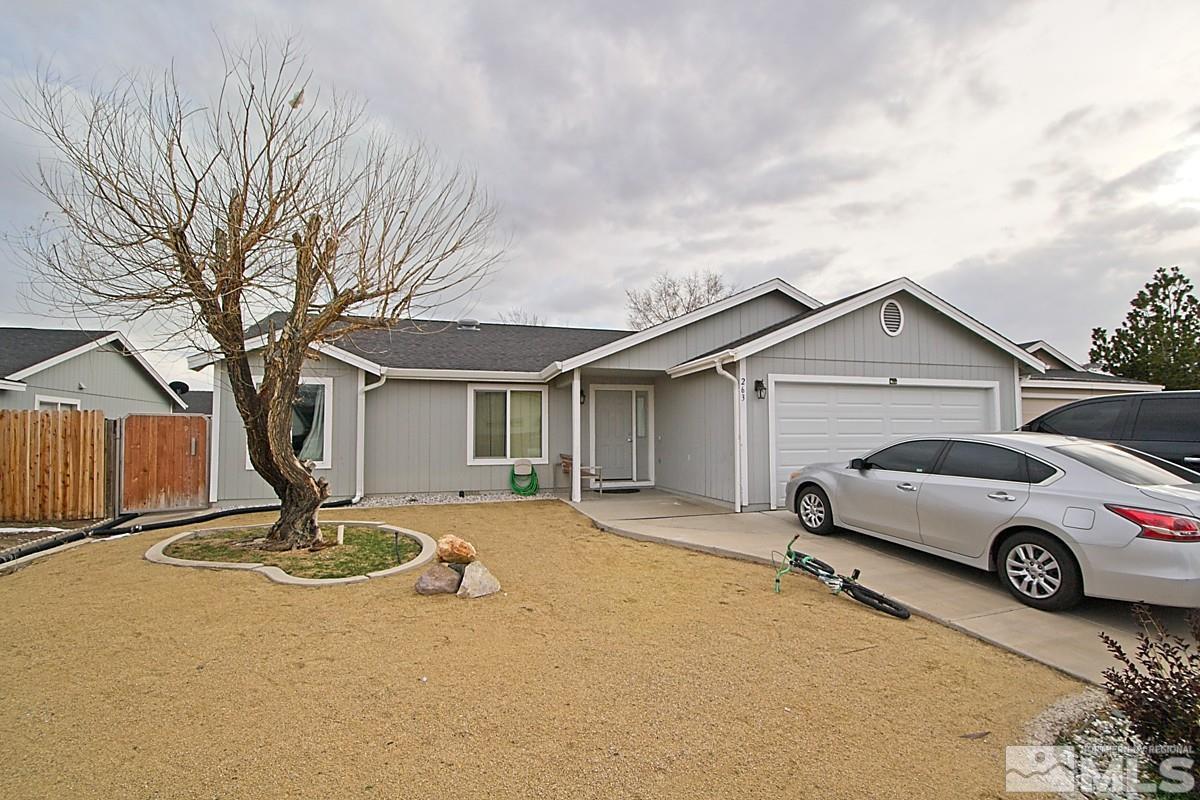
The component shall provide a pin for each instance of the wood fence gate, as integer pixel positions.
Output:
(164, 462)
(52, 465)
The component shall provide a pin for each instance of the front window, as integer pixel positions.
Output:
(312, 438)
(507, 423)
(44, 403)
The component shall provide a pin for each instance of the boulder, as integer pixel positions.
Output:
(453, 549)
(438, 579)
(477, 581)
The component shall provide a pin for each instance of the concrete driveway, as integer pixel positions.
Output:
(954, 594)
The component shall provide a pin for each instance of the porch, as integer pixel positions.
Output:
(642, 429)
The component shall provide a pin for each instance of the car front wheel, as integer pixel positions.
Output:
(1039, 571)
(812, 507)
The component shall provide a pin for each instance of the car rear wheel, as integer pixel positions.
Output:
(1039, 571)
(813, 509)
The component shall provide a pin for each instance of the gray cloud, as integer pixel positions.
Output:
(806, 140)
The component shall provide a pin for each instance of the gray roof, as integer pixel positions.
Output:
(21, 348)
(198, 402)
(441, 344)
(1075, 375)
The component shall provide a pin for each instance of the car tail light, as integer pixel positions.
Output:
(1160, 525)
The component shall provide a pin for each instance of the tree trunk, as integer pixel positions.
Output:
(297, 524)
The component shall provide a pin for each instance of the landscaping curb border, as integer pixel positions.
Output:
(157, 555)
(721, 551)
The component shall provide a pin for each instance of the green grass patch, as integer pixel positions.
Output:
(365, 549)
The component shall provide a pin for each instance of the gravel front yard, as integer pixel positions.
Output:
(607, 668)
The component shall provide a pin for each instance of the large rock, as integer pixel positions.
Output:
(455, 550)
(438, 579)
(477, 581)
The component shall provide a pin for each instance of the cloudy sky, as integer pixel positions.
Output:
(1032, 163)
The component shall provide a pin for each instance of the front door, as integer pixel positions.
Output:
(622, 423)
(614, 434)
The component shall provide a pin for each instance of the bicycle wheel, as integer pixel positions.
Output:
(813, 566)
(873, 599)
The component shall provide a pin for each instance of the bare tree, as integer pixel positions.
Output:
(669, 297)
(521, 316)
(269, 197)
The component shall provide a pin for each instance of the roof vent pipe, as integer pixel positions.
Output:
(468, 324)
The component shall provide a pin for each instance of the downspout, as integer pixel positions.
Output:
(361, 431)
(737, 438)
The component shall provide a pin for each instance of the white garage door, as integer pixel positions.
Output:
(838, 421)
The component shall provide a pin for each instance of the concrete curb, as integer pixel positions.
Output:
(734, 554)
(157, 555)
(24, 561)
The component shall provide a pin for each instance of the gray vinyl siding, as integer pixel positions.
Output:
(114, 382)
(417, 440)
(694, 435)
(931, 346)
(236, 484)
(705, 335)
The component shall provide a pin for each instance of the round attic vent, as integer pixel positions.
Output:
(891, 317)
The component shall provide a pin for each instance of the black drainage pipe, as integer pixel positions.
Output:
(65, 537)
(109, 528)
(211, 515)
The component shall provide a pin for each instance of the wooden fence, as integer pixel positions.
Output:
(52, 465)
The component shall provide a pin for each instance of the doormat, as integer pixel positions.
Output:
(619, 490)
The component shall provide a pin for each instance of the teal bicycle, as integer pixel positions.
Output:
(795, 561)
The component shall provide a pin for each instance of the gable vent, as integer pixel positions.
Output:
(891, 316)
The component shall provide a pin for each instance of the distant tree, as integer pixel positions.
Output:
(1159, 341)
(668, 297)
(521, 316)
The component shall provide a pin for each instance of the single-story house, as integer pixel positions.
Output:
(1065, 381)
(199, 401)
(49, 369)
(720, 403)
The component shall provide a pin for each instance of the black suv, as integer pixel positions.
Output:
(1164, 424)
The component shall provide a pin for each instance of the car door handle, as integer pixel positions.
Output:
(906, 487)
(1191, 459)
(1001, 496)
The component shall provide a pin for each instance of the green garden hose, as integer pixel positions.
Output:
(530, 485)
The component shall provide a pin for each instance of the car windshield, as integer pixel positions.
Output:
(1122, 465)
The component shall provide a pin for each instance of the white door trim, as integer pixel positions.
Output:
(772, 379)
(632, 388)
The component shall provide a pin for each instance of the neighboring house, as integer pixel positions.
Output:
(75, 369)
(198, 401)
(1066, 381)
(721, 403)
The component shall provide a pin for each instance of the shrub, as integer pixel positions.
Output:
(1158, 687)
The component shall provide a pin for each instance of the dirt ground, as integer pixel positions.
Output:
(607, 668)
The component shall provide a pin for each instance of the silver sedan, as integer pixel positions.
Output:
(1057, 517)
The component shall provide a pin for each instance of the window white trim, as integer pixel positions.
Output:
(327, 461)
(883, 307)
(508, 389)
(58, 401)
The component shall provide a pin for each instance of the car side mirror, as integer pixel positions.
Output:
(860, 464)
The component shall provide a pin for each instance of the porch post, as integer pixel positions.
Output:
(576, 424)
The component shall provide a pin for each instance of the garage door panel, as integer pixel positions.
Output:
(830, 421)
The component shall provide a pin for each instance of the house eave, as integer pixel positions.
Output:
(821, 317)
(12, 386)
(653, 332)
(92, 345)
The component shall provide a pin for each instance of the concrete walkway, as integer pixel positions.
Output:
(953, 594)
